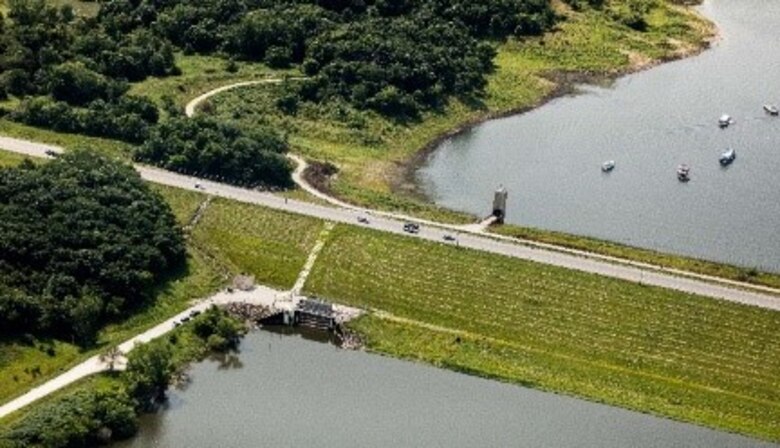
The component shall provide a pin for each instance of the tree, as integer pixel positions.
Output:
(111, 357)
(149, 369)
(84, 240)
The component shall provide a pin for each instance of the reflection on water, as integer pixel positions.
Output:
(550, 158)
(292, 391)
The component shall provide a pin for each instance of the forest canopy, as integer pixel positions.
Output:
(82, 239)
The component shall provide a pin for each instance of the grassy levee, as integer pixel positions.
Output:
(655, 350)
(376, 155)
(183, 203)
(271, 245)
(612, 249)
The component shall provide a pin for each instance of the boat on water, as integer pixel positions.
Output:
(771, 109)
(608, 166)
(683, 173)
(727, 157)
(725, 120)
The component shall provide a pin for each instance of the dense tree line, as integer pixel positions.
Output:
(398, 57)
(72, 72)
(208, 148)
(82, 240)
(88, 418)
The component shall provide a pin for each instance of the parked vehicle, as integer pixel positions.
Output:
(448, 237)
(608, 166)
(771, 109)
(411, 227)
(725, 120)
(363, 220)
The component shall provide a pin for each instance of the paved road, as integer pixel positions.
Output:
(260, 296)
(436, 233)
(474, 229)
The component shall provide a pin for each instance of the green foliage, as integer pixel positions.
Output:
(149, 370)
(218, 330)
(85, 418)
(84, 240)
(398, 58)
(80, 63)
(212, 149)
(127, 118)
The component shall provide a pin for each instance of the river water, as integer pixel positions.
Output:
(649, 122)
(289, 391)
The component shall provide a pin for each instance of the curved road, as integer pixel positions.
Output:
(479, 229)
(719, 290)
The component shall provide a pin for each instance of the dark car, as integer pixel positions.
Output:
(448, 237)
(362, 220)
(411, 227)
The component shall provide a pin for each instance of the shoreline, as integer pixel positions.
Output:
(405, 180)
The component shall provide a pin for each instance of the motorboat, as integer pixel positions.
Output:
(727, 157)
(608, 166)
(684, 173)
(725, 120)
(771, 109)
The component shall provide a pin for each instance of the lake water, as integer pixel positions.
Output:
(549, 159)
(289, 391)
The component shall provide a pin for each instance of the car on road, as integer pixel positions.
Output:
(198, 186)
(194, 313)
(411, 227)
(363, 220)
(51, 153)
(448, 237)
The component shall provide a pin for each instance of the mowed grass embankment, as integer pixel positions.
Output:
(271, 245)
(655, 350)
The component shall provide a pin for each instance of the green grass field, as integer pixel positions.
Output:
(690, 358)
(271, 245)
(199, 74)
(10, 158)
(183, 203)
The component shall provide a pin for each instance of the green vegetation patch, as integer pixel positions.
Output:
(636, 346)
(183, 203)
(104, 407)
(271, 245)
(10, 159)
(28, 361)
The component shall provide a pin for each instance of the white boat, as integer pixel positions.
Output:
(684, 173)
(725, 120)
(771, 109)
(608, 166)
(727, 157)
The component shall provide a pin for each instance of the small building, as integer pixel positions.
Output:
(499, 204)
